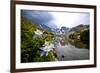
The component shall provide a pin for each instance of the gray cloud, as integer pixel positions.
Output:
(38, 17)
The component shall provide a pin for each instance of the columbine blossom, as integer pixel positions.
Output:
(38, 33)
(46, 49)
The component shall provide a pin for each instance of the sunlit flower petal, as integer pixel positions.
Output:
(46, 49)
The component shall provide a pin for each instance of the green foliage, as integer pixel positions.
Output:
(84, 36)
(47, 36)
(80, 39)
(49, 57)
(72, 36)
(27, 50)
(30, 51)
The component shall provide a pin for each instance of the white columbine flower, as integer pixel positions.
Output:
(38, 32)
(46, 49)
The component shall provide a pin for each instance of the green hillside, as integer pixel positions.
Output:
(80, 39)
(31, 44)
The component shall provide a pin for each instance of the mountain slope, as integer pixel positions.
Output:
(79, 28)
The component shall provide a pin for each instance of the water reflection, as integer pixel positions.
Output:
(68, 50)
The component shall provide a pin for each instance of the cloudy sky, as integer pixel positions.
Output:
(57, 19)
(69, 19)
